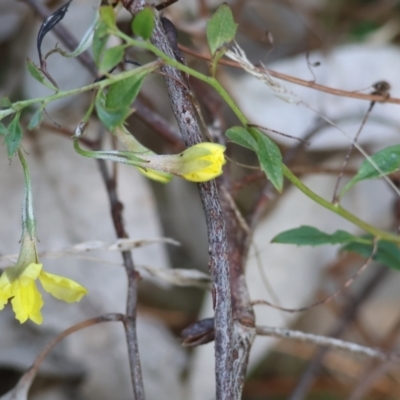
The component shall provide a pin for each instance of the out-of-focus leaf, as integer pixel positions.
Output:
(122, 94)
(38, 75)
(387, 160)
(3, 129)
(100, 39)
(36, 119)
(143, 23)
(48, 24)
(310, 236)
(270, 159)
(14, 136)
(221, 28)
(111, 118)
(242, 137)
(111, 58)
(5, 102)
(85, 42)
(107, 15)
(387, 253)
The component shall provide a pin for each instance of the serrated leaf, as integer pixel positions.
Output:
(107, 15)
(14, 136)
(310, 236)
(111, 58)
(111, 118)
(100, 39)
(387, 160)
(36, 119)
(5, 102)
(38, 75)
(48, 24)
(270, 159)
(123, 93)
(387, 253)
(242, 137)
(143, 23)
(221, 28)
(3, 129)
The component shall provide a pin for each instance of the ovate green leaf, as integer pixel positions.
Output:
(242, 137)
(100, 39)
(5, 102)
(387, 253)
(36, 119)
(111, 58)
(143, 23)
(38, 75)
(3, 130)
(270, 159)
(107, 15)
(221, 28)
(310, 236)
(387, 160)
(122, 94)
(14, 136)
(111, 118)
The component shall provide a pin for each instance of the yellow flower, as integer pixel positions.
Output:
(203, 162)
(199, 163)
(19, 284)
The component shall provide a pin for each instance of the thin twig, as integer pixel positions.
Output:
(131, 302)
(301, 82)
(328, 342)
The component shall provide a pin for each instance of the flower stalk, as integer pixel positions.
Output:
(18, 282)
(199, 163)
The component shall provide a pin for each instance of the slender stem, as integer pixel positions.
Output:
(334, 343)
(19, 105)
(379, 234)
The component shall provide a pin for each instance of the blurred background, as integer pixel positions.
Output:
(348, 45)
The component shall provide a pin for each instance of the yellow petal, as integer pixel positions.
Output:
(5, 290)
(203, 162)
(62, 288)
(158, 176)
(27, 301)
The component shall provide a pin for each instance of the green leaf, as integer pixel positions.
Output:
(221, 28)
(242, 137)
(38, 75)
(107, 15)
(387, 253)
(100, 39)
(111, 118)
(111, 58)
(14, 136)
(143, 23)
(3, 129)
(270, 159)
(122, 94)
(387, 160)
(36, 119)
(310, 236)
(5, 102)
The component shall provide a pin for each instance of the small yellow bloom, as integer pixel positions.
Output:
(203, 162)
(199, 163)
(19, 284)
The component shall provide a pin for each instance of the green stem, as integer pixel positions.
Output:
(19, 105)
(28, 216)
(337, 209)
